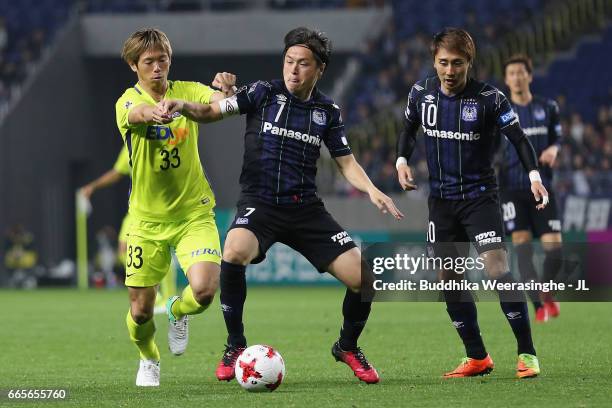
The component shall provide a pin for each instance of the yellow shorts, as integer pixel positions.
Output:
(194, 239)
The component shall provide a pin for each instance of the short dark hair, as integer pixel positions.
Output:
(455, 39)
(315, 41)
(519, 59)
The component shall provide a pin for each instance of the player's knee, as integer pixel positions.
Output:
(551, 242)
(204, 296)
(141, 316)
(496, 268)
(354, 286)
(237, 254)
(521, 237)
(496, 263)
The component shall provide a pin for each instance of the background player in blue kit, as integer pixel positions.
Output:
(539, 118)
(287, 123)
(460, 118)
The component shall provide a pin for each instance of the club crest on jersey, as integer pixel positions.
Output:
(539, 114)
(429, 98)
(281, 98)
(319, 117)
(469, 113)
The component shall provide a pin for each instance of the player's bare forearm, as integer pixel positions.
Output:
(354, 173)
(107, 179)
(201, 112)
(549, 155)
(357, 177)
(145, 114)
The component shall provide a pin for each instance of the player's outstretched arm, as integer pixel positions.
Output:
(107, 179)
(204, 113)
(358, 178)
(145, 113)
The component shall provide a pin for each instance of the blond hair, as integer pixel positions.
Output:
(144, 40)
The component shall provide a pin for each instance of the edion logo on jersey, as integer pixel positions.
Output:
(489, 237)
(304, 137)
(341, 238)
(160, 132)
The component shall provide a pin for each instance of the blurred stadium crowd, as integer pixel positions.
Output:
(393, 62)
(27, 26)
(390, 64)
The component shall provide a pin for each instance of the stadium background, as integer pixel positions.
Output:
(60, 74)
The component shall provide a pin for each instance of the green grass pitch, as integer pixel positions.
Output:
(78, 341)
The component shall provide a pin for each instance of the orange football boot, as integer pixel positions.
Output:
(471, 367)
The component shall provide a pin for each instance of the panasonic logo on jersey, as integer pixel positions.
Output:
(539, 130)
(304, 137)
(449, 134)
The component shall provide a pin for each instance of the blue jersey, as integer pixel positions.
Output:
(540, 122)
(461, 135)
(283, 139)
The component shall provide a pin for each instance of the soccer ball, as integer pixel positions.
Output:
(260, 368)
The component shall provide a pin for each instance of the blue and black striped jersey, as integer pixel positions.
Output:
(283, 139)
(461, 135)
(540, 122)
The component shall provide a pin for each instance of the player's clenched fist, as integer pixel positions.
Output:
(160, 114)
(170, 106)
(226, 82)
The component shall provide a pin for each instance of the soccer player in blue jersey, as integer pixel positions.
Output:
(460, 119)
(288, 121)
(539, 118)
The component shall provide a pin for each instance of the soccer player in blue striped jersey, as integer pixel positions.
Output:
(288, 121)
(460, 119)
(539, 118)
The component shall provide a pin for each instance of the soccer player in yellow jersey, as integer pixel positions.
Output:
(171, 201)
(120, 169)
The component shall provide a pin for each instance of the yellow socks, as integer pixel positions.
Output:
(143, 336)
(186, 304)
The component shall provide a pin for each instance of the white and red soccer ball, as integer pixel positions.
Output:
(260, 368)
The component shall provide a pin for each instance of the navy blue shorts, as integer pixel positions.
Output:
(307, 228)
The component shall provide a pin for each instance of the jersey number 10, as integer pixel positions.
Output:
(429, 119)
